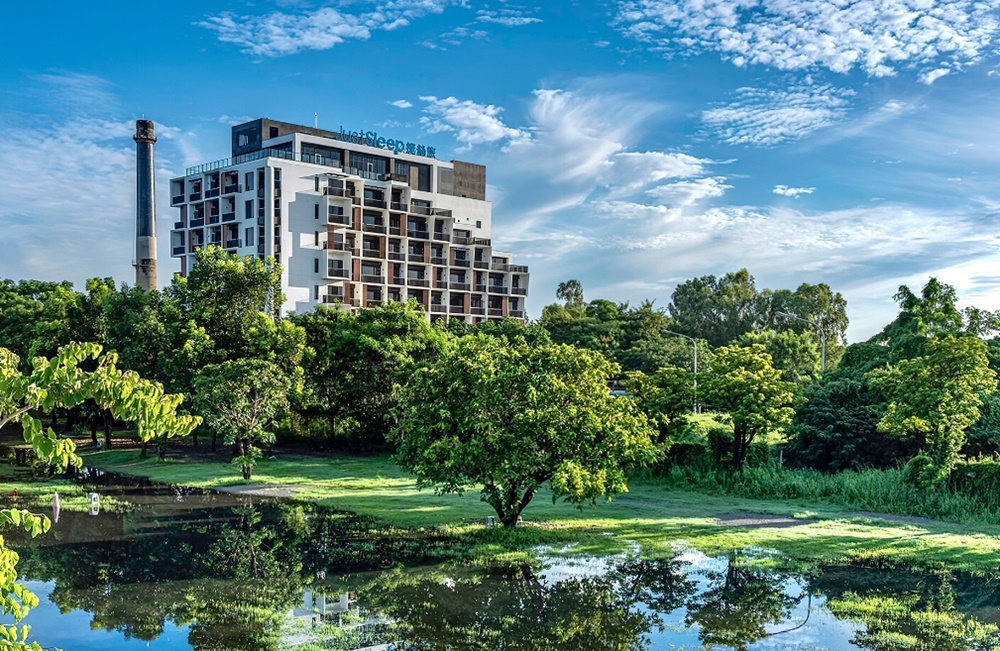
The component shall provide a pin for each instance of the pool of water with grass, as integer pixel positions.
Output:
(175, 568)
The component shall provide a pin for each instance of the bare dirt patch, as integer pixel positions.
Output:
(262, 490)
(764, 520)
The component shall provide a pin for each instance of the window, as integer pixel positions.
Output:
(273, 132)
(315, 292)
(248, 209)
(248, 180)
(317, 184)
(316, 238)
(479, 224)
(248, 236)
(316, 212)
(316, 266)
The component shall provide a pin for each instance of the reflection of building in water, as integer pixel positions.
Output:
(321, 618)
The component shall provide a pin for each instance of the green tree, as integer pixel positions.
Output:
(570, 293)
(795, 354)
(744, 384)
(510, 417)
(63, 382)
(935, 398)
(719, 310)
(241, 400)
(667, 399)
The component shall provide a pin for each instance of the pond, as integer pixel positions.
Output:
(168, 568)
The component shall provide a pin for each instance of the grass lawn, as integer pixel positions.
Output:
(652, 514)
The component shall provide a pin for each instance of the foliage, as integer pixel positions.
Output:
(935, 398)
(64, 382)
(666, 398)
(744, 384)
(511, 417)
(795, 354)
(241, 399)
(37, 317)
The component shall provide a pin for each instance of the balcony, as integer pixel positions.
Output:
(375, 280)
(515, 268)
(229, 216)
(440, 261)
(371, 253)
(439, 308)
(478, 264)
(461, 263)
(519, 291)
(419, 235)
(338, 220)
(396, 255)
(395, 230)
(178, 225)
(458, 239)
(231, 189)
(339, 246)
(197, 247)
(415, 257)
(337, 272)
(373, 228)
(481, 288)
(477, 310)
(462, 287)
(498, 289)
(213, 219)
(375, 203)
(176, 199)
(198, 223)
(373, 302)
(418, 282)
(398, 205)
(336, 192)
(333, 298)
(232, 244)
(456, 309)
(260, 249)
(180, 250)
(482, 241)
(420, 210)
(397, 280)
(495, 311)
(212, 193)
(194, 196)
(517, 314)
(441, 237)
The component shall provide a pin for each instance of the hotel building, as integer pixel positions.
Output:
(354, 219)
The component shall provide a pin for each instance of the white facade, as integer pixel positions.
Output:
(390, 226)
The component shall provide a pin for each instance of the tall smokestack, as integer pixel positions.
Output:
(145, 206)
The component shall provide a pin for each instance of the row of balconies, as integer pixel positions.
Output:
(342, 273)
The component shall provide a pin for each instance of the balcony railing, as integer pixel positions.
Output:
(480, 288)
(197, 247)
(374, 228)
(515, 268)
(441, 237)
(519, 291)
(496, 311)
(337, 272)
(212, 193)
(373, 302)
(178, 225)
(398, 205)
(397, 280)
(375, 203)
(481, 265)
(456, 309)
(194, 196)
(395, 255)
(337, 192)
(232, 189)
(232, 244)
(420, 235)
(482, 241)
(341, 220)
(176, 199)
(459, 239)
(440, 261)
(339, 246)
(213, 219)
(418, 282)
(197, 223)
(395, 230)
(333, 298)
(438, 308)
(415, 257)
(497, 289)
(376, 280)
(517, 314)
(420, 210)
(462, 287)
(180, 250)
(477, 310)
(229, 216)
(371, 253)
(462, 263)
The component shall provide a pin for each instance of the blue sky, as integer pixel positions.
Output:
(630, 144)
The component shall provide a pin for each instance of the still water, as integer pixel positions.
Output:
(164, 568)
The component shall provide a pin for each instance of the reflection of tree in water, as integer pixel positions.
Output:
(229, 573)
(906, 610)
(739, 603)
(511, 607)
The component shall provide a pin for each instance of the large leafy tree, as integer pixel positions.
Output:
(77, 373)
(717, 309)
(795, 354)
(241, 399)
(744, 384)
(935, 398)
(37, 317)
(510, 418)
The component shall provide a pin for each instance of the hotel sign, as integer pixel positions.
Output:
(372, 139)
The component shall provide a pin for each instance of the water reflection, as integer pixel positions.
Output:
(237, 572)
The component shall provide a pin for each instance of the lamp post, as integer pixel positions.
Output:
(822, 337)
(695, 344)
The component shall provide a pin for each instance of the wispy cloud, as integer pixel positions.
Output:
(766, 117)
(787, 191)
(402, 103)
(278, 33)
(471, 123)
(507, 16)
(688, 193)
(931, 76)
(876, 36)
(455, 37)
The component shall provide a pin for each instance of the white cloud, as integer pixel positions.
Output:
(402, 103)
(931, 76)
(787, 191)
(764, 117)
(278, 34)
(875, 36)
(231, 120)
(471, 123)
(455, 37)
(687, 193)
(508, 17)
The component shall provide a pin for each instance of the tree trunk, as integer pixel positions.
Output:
(145, 450)
(93, 431)
(740, 445)
(107, 429)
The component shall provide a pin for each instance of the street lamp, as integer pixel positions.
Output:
(695, 344)
(822, 337)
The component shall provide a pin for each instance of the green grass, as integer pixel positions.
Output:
(653, 514)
